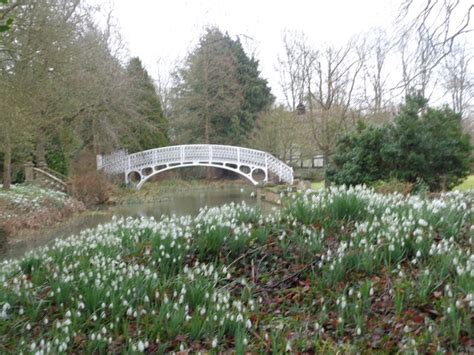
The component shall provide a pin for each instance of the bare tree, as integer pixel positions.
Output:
(330, 95)
(293, 68)
(458, 80)
(373, 53)
(164, 83)
(325, 80)
(427, 35)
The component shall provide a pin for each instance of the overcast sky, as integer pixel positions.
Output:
(167, 30)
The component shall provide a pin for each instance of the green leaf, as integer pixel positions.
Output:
(7, 25)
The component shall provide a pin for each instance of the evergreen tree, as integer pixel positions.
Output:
(152, 131)
(257, 93)
(430, 145)
(218, 93)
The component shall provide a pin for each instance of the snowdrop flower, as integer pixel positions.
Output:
(141, 346)
(422, 222)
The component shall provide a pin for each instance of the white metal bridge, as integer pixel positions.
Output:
(141, 166)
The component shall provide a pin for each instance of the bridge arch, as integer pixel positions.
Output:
(243, 161)
(144, 178)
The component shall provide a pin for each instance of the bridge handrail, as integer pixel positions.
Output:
(120, 161)
(52, 178)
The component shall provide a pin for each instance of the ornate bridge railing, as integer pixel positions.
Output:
(141, 166)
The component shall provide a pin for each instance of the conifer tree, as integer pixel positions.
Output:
(151, 132)
(218, 93)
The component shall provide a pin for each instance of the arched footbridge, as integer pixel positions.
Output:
(141, 166)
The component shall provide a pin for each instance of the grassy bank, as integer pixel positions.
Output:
(466, 185)
(29, 206)
(347, 270)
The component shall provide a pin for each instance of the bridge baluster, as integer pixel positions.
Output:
(197, 154)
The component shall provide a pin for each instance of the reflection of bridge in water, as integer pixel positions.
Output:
(141, 166)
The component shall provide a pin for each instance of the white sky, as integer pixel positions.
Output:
(167, 30)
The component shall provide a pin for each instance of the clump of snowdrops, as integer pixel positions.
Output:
(341, 269)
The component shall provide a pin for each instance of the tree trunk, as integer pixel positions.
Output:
(40, 152)
(327, 182)
(7, 163)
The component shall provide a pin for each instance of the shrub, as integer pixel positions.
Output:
(362, 157)
(423, 144)
(91, 188)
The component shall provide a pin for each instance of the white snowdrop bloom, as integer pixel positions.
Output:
(141, 346)
(422, 222)
(248, 323)
(288, 348)
(418, 254)
(359, 331)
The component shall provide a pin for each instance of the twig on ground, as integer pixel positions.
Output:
(292, 276)
(250, 252)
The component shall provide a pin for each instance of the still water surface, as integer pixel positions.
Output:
(181, 203)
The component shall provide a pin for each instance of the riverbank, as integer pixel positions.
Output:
(177, 201)
(26, 207)
(340, 270)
